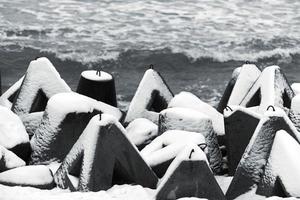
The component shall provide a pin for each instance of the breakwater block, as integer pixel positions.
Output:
(271, 88)
(162, 150)
(65, 117)
(103, 156)
(152, 96)
(251, 167)
(281, 176)
(189, 176)
(190, 120)
(98, 85)
(241, 82)
(189, 100)
(240, 124)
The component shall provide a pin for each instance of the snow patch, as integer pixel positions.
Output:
(189, 100)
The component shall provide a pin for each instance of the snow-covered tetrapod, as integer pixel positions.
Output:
(251, 167)
(282, 176)
(190, 120)
(240, 124)
(103, 156)
(241, 81)
(189, 100)
(65, 117)
(271, 88)
(163, 149)
(151, 97)
(189, 176)
(41, 81)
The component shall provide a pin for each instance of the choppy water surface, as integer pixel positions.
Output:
(194, 43)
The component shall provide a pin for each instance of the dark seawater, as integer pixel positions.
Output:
(194, 44)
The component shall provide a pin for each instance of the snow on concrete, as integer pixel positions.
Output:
(296, 88)
(12, 130)
(283, 163)
(9, 160)
(152, 96)
(226, 95)
(102, 144)
(117, 192)
(167, 146)
(189, 176)
(6, 98)
(271, 88)
(191, 152)
(190, 120)
(92, 75)
(32, 121)
(65, 118)
(249, 73)
(224, 182)
(38, 176)
(240, 124)
(141, 132)
(40, 75)
(189, 100)
(295, 106)
(250, 168)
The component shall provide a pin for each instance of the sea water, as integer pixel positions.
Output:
(194, 44)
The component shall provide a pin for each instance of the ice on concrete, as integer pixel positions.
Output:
(190, 120)
(189, 100)
(189, 176)
(101, 157)
(41, 82)
(64, 119)
(151, 97)
(9, 160)
(8, 97)
(271, 88)
(38, 176)
(141, 132)
(254, 159)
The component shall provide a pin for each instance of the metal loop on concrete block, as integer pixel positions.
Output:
(270, 106)
(202, 146)
(228, 108)
(191, 153)
(98, 72)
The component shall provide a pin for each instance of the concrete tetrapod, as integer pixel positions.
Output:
(240, 124)
(151, 97)
(101, 157)
(251, 167)
(189, 176)
(65, 117)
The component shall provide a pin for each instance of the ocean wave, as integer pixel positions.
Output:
(93, 31)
